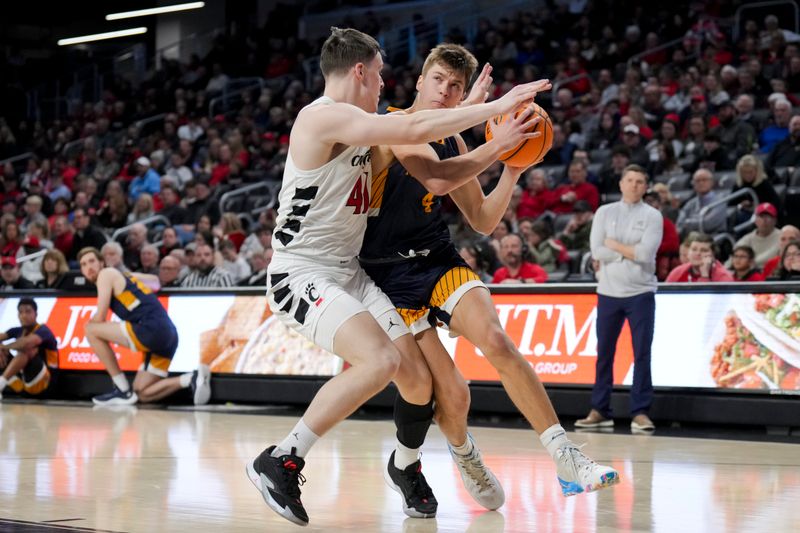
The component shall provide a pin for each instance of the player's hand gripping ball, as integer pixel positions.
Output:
(529, 151)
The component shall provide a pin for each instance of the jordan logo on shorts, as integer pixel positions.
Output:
(391, 324)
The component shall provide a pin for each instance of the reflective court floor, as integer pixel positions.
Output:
(143, 470)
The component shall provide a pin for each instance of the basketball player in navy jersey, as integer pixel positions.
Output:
(409, 254)
(30, 370)
(145, 327)
(315, 284)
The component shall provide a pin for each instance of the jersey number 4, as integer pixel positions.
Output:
(359, 197)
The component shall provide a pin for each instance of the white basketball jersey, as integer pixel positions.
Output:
(323, 212)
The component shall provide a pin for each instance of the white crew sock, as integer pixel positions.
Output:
(186, 379)
(301, 438)
(465, 449)
(121, 382)
(404, 456)
(554, 438)
(3, 383)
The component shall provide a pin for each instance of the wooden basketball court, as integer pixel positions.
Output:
(71, 467)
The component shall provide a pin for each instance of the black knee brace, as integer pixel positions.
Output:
(412, 421)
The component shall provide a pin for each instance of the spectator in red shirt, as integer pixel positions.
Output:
(668, 251)
(702, 267)
(574, 69)
(62, 235)
(743, 262)
(515, 269)
(10, 188)
(12, 239)
(536, 197)
(578, 189)
(220, 171)
(230, 228)
(789, 233)
(67, 169)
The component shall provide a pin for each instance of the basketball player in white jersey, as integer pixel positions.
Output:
(316, 285)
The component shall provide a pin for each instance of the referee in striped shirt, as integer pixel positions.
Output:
(205, 274)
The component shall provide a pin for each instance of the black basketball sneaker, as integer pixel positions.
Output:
(418, 498)
(279, 479)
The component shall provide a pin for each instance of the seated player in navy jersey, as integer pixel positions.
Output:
(145, 326)
(31, 369)
(409, 253)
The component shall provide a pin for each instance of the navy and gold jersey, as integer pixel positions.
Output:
(47, 350)
(404, 216)
(137, 303)
(148, 323)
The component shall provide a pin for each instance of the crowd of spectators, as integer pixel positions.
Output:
(707, 117)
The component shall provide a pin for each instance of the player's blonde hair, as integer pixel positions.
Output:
(453, 57)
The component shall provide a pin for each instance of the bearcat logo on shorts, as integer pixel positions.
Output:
(313, 295)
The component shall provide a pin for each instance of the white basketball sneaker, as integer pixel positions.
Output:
(479, 481)
(577, 473)
(201, 385)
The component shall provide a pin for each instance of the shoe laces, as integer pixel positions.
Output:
(292, 479)
(573, 453)
(476, 470)
(417, 483)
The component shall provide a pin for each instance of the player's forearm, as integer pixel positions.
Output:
(434, 124)
(446, 175)
(19, 344)
(494, 206)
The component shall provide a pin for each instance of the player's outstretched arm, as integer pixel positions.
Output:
(346, 124)
(443, 176)
(485, 212)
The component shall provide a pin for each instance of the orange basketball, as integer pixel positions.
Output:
(529, 151)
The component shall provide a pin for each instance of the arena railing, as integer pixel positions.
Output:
(271, 187)
(634, 59)
(248, 84)
(566, 81)
(31, 257)
(14, 159)
(149, 222)
(724, 201)
(139, 124)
